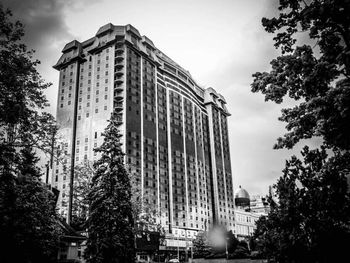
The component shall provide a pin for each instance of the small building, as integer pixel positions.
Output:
(71, 245)
(259, 204)
(245, 223)
(245, 217)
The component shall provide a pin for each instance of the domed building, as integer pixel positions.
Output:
(242, 198)
(244, 218)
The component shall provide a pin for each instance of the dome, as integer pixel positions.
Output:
(242, 197)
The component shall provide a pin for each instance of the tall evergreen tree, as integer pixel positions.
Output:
(110, 222)
(35, 221)
(82, 182)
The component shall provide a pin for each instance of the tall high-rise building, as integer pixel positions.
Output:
(175, 132)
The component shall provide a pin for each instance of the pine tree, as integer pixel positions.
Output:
(110, 222)
(36, 234)
(82, 181)
(30, 226)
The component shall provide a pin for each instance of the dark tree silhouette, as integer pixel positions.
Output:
(28, 221)
(110, 222)
(82, 182)
(310, 222)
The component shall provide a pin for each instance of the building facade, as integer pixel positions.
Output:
(247, 211)
(259, 204)
(245, 223)
(175, 132)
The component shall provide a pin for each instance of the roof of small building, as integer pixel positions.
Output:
(241, 193)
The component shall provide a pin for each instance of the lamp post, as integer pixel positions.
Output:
(178, 249)
(226, 248)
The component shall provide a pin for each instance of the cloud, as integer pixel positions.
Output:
(44, 20)
(46, 31)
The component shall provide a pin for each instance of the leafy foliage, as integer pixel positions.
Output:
(110, 222)
(201, 245)
(310, 222)
(30, 225)
(28, 220)
(21, 87)
(82, 181)
(320, 82)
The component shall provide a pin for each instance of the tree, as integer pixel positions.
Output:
(36, 232)
(310, 223)
(201, 245)
(28, 220)
(311, 220)
(82, 182)
(321, 83)
(110, 222)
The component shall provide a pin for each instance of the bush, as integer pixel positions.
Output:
(240, 252)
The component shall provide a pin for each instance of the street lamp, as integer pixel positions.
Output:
(226, 248)
(178, 249)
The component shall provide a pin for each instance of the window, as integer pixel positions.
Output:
(68, 102)
(106, 97)
(96, 110)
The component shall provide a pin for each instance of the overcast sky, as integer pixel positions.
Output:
(221, 43)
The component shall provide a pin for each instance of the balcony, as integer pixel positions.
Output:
(118, 97)
(118, 117)
(119, 66)
(119, 52)
(118, 88)
(118, 106)
(119, 59)
(119, 81)
(119, 73)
